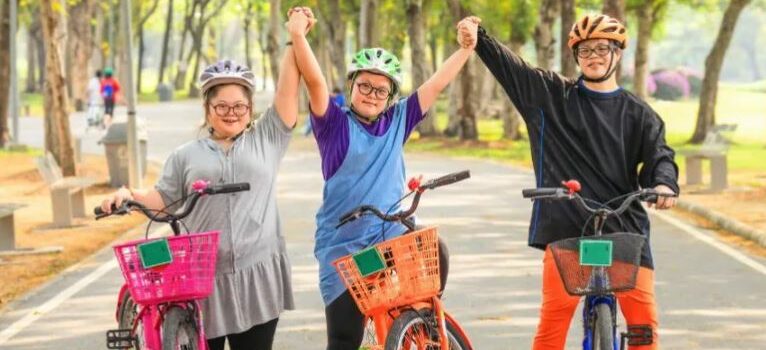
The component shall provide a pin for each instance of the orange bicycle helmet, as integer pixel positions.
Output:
(598, 27)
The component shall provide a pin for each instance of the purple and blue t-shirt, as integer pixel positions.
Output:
(332, 133)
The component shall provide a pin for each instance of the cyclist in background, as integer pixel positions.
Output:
(110, 87)
(592, 130)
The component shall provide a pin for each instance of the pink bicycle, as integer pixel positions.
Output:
(158, 306)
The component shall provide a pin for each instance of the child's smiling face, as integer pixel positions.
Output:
(370, 93)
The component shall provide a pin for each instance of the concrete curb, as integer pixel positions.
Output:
(724, 222)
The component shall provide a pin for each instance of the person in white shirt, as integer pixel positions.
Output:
(95, 106)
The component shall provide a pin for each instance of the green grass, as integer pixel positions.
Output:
(737, 104)
(34, 152)
(34, 103)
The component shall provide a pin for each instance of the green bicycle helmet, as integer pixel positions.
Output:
(379, 61)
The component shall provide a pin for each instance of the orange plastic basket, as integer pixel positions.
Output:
(410, 274)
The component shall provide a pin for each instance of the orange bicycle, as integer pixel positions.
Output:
(396, 283)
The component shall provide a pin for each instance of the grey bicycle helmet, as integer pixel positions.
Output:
(226, 72)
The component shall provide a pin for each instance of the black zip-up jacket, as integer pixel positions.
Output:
(613, 143)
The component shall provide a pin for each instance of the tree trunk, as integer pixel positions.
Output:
(198, 31)
(193, 89)
(191, 8)
(544, 38)
(57, 135)
(5, 70)
(41, 57)
(433, 46)
(568, 68)
(30, 85)
(510, 115)
(641, 68)
(416, 18)
(140, 69)
(141, 45)
(368, 32)
(713, 63)
(247, 20)
(616, 9)
(165, 43)
(463, 107)
(335, 27)
(273, 47)
(97, 53)
(262, 41)
(81, 46)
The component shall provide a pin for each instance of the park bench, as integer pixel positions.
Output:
(7, 228)
(67, 193)
(714, 148)
(8, 234)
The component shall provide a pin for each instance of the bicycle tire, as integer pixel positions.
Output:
(128, 311)
(412, 321)
(179, 330)
(602, 328)
(126, 316)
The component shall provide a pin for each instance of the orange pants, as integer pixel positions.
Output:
(638, 306)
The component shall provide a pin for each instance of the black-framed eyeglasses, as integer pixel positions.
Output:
(600, 50)
(223, 109)
(367, 89)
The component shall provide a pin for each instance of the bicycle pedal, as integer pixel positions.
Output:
(640, 335)
(120, 339)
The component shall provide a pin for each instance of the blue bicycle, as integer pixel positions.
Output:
(598, 266)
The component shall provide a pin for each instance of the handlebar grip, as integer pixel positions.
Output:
(541, 192)
(228, 188)
(98, 212)
(121, 210)
(651, 196)
(449, 179)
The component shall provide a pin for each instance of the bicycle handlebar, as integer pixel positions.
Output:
(403, 215)
(559, 193)
(126, 206)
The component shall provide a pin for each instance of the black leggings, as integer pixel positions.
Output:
(345, 323)
(108, 106)
(260, 337)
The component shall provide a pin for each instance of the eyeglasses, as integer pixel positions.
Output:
(223, 109)
(367, 89)
(600, 50)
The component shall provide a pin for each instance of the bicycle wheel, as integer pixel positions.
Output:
(126, 315)
(602, 328)
(128, 312)
(418, 331)
(179, 330)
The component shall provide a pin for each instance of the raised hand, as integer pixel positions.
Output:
(300, 20)
(467, 30)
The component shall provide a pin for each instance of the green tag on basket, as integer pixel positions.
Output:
(155, 253)
(595, 252)
(369, 261)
